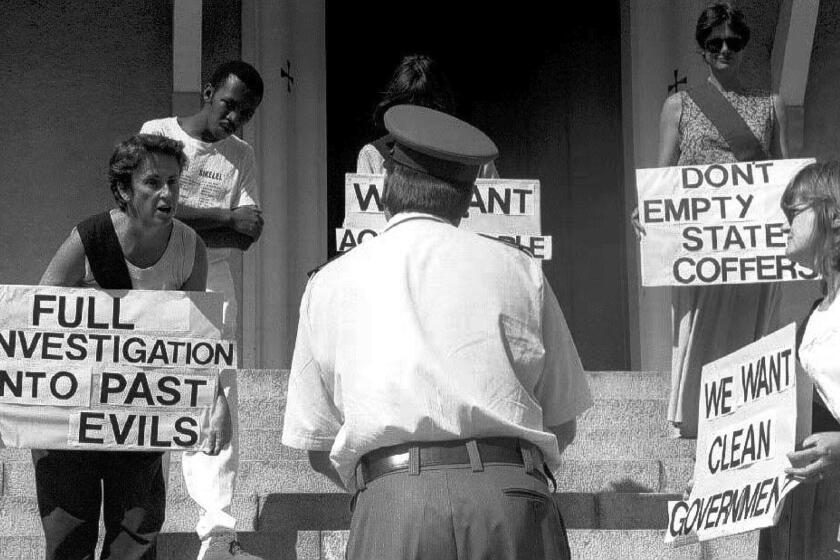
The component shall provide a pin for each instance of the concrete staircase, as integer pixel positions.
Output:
(613, 486)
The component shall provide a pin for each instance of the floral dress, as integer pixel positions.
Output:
(712, 321)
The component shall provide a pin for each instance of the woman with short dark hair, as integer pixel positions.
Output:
(154, 251)
(712, 321)
(417, 80)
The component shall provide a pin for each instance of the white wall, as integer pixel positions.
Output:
(661, 39)
(72, 88)
(289, 135)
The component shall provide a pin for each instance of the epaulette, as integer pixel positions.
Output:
(315, 270)
(510, 243)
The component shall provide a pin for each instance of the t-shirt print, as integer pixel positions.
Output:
(203, 188)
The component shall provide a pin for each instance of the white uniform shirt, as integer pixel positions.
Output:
(430, 333)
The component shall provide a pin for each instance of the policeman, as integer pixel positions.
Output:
(434, 374)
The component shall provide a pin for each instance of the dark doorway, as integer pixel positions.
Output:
(547, 89)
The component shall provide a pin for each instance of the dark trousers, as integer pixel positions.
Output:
(73, 485)
(454, 512)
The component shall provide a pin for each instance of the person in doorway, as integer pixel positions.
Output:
(218, 199)
(446, 390)
(712, 321)
(417, 80)
(139, 245)
(808, 527)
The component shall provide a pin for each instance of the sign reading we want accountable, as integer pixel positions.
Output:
(108, 370)
(504, 208)
(748, 423)
(716, 224)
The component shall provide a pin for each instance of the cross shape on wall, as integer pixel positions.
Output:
(675, 87)
(286, 73)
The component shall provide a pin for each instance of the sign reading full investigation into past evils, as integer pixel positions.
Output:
(109, 370)
(716, 224)
(504, 208)
(748, 424)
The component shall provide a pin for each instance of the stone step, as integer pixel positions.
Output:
(640, 418)
(255, 384)
(630, 384)
(607, 444)
(182, 514)
(594, 441)
(643, 417)
(324, 511)
(270, 477)
(23, 547)
(19, 515)
(622, 476)
(624, 401)
(585, 544)
(255, 477)
(598, 545)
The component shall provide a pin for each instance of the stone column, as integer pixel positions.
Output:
(285, 40)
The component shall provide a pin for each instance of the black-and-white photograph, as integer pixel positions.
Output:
(321, 280)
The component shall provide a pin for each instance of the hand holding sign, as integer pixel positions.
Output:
(638, 228)
(90, 369)
(219, 430)
(818, 459)
(748, 424)
(715, 224)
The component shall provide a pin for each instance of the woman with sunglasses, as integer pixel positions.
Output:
(808, 527)
(710, 322)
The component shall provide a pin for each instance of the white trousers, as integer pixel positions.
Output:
(211, 479)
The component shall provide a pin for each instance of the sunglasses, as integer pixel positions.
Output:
(734, 44)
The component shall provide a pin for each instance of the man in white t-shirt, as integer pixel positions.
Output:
(218, 200)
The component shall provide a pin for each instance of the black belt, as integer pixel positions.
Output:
(499, 450)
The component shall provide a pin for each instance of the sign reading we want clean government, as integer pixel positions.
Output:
(716, 224)
(109, 370)
(507, 209)
(754, 407)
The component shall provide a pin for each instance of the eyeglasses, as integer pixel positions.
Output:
(734, 44)
(793, 211)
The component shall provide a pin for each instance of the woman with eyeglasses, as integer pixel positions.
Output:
(712, 321)
(808, 527)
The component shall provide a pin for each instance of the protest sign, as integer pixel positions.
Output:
(538, 245)
(503, 208)
(748, 423)
(716, 224)
(108, 370)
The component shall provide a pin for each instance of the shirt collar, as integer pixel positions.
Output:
(406, 216)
